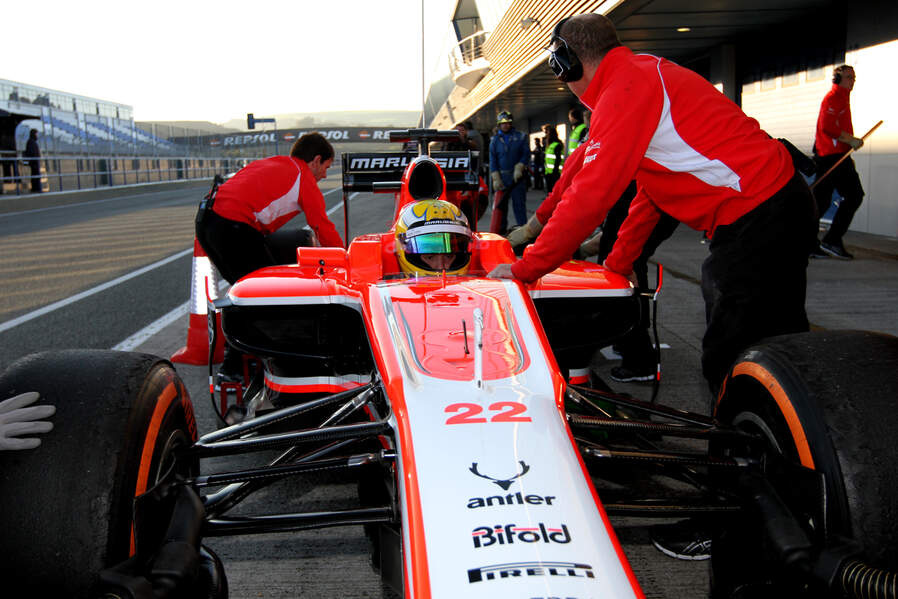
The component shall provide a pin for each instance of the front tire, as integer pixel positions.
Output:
(67, 505)
(825, 401)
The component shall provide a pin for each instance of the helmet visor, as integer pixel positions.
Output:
(436, 243)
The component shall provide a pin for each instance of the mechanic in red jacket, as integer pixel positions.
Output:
(638, 359)
(261, 198)
(697, 157)
(835, 137)
(240, 231)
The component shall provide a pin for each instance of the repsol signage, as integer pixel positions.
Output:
(250, 139)
(334, 134)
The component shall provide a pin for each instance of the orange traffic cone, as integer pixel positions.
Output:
(204, 282)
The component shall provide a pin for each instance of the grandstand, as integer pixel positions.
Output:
(73, 124)
(86, 142)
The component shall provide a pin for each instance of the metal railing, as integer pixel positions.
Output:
(74, 172)
(468, 53)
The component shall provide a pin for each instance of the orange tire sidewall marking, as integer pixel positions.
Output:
(168, 395)
(796, 430)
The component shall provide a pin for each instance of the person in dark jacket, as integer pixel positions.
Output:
(554, 157)
(33, 153)
(509, 156)
(538, 162)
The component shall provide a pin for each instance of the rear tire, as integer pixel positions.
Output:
(67, 505)
(826, 401)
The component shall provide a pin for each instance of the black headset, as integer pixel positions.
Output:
(562, 60)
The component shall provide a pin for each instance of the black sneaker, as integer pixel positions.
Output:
(835, 250)
(686, 540)
(817, 252)
(622, 374)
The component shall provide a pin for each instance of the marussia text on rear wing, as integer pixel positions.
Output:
(383, 171)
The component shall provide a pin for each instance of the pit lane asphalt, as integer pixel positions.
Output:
(334, 562)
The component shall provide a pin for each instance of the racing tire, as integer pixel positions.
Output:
(825, 401)
(67, 506)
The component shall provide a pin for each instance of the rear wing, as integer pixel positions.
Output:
(382, 171)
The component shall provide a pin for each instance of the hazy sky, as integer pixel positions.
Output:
(202, 60)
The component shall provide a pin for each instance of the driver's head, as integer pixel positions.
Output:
(433, 236)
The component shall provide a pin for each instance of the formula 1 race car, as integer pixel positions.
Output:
(487, 457)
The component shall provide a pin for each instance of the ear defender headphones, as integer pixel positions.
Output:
(562, 60)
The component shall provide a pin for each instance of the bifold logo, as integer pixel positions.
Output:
(527, 569)
(484, 536)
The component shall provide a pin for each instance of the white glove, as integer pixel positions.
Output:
(518, 172)
(498, 185)
(856, 142)
(525, 234)
(17, 419)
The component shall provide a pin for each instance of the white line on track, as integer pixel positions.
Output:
(151, 329)
(77, 204)
(5, 326)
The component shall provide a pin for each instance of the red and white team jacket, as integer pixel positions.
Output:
(267, 193)
(694, 154)
(835, 117)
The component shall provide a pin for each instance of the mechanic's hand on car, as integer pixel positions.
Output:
(498, 185)
(502, 271)
(518, 172)
(18, 419)
(630, 277)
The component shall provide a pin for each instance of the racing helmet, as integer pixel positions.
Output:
(504, 117)
(429, 230)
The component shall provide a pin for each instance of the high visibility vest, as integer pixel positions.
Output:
(578, 136)
(550, 157)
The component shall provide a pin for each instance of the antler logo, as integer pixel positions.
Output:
(502, 482)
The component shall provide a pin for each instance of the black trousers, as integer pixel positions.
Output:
(754, 281)
(35, 166)
(236, 249)
(845, 180)
(551, 180)
(636, 348)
